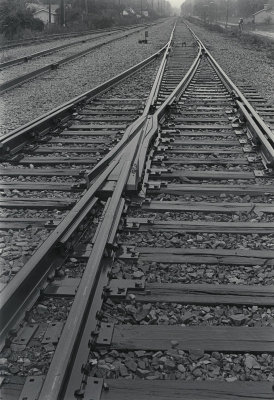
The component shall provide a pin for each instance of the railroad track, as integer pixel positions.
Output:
(31, 56)
(48, 38)
(176, 287)
(58, 36)
(12, 76)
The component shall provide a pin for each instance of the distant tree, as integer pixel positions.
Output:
(236, 8)
(15, 16)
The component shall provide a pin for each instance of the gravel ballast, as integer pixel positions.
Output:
(178, 364)
(133, 312)
(32, 99)
(194, 273)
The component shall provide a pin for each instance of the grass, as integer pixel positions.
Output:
(5, 57)
(261, 43)
(265, 28)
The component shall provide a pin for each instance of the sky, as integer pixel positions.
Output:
(176, 3)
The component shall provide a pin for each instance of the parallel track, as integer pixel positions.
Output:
(31, 56)
(186, 230)
(18, 80)
(48, 38)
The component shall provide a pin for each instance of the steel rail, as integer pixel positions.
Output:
(260, 132)
(59, 383)
(12, 142)
(105, 32)
(151, 103)
(49, 38)
(75, 333)
(152, 125)
(64, 363)
(8, 85)
(57, 36)
(37, 268)
(252, 119)
(140, 122)
(19, 295)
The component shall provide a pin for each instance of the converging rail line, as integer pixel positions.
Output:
(158, 283)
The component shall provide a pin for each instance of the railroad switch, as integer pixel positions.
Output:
(159, 172)
(105, 334)
(128, 252)
(163, 148)
(92, 389)
(251, 159)
(166, 140)
(147, 201)
(259, 173)
(54, 66)
(247, 149)
(160, 158)
(32, 387)
(118, 288)
(51, 223)
(17, 158)
(155, 185)
(239, 132)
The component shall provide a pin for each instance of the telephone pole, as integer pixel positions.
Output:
(62, 13)
(49, 12)
(226, 19)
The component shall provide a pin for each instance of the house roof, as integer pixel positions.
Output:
(267, 11)
(46, 10)
(129, 10)
(39, 7)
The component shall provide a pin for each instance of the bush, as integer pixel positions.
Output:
(268, 20)
(15, 17)
(216, 28)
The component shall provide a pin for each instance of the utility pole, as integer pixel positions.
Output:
(226, 19)
(62, 13)
(49, 12)
(86, 7)
(205, 7)
(141, 8)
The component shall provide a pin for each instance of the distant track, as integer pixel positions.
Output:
(31, 56)
(48, 38)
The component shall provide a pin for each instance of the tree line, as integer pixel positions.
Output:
(16, 15)
(111, 11)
